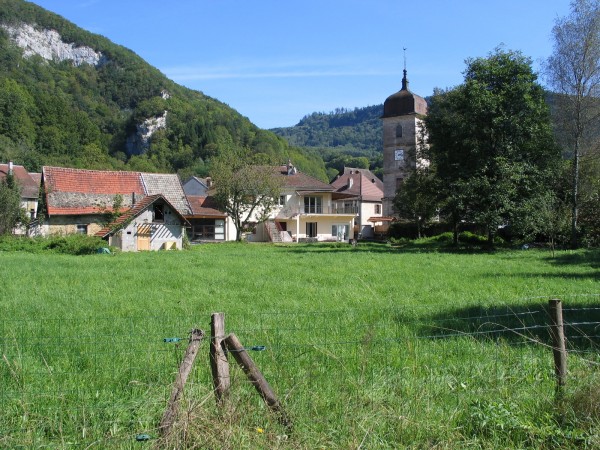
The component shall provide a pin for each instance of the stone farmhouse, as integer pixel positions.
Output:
(80, 201)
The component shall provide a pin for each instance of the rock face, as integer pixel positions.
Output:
(139, 142)
(49, 45)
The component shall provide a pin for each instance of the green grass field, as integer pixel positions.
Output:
(352, 339)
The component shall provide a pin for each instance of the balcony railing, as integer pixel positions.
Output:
(288, 210)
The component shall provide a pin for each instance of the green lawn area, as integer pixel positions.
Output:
(352, 346)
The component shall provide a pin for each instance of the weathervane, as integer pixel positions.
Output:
(404, 48)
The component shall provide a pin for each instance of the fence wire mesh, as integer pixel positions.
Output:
(379, 374)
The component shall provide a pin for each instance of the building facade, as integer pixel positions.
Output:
(364, 193)
(403, 133)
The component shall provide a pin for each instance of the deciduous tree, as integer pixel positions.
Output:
(491, 141)
(573, 71)
(245, 191)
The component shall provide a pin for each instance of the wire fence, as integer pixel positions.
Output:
(392, 372)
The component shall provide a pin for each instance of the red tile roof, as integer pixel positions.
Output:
(80, 191)
(360, 183)
(61, 179)
(204, 207)
(295, 179)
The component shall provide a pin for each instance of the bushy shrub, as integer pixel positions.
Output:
(73, 244)
(443, 237)
(466, 237)
(10, 243)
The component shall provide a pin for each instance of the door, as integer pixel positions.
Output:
(143, 243)
(143, 237)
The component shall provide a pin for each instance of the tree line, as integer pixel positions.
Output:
(494, 159)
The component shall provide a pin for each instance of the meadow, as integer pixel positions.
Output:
(376, 346)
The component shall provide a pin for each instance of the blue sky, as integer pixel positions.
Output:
(275, 61)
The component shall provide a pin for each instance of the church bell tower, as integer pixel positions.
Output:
(403, 114)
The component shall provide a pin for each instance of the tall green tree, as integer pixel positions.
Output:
(573, 70)
(245, 191)
(11, 213)
(491, 141)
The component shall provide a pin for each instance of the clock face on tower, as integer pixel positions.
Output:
(399, 154)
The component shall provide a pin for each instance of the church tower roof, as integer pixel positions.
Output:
(404, 102)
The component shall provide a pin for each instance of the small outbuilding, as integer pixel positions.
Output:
(153, 223)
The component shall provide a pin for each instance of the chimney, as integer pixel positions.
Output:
(10, 168)
(208, 182)
(133, 199)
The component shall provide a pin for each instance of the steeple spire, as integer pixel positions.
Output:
(404, 78)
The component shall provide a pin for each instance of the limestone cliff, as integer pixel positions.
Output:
(49, 45)
(139, 142)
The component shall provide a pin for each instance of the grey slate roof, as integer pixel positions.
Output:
(169, 186)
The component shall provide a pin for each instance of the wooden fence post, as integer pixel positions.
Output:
(559, 350)
(255, 376)
(218, 359)
(184, 371)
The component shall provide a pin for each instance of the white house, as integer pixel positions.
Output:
(364, 192)
(308, 210)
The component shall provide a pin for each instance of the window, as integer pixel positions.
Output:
(399, 131)
(377, 209)
(340, 232)
(399, 182)
(311, 229)
(219, 229)
(82, 229)
(159, 215)
(313, 205)
(282, 200)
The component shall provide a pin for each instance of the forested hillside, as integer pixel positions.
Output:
(94, 115)
(342, 137)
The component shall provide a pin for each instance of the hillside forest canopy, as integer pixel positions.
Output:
(56, 113)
